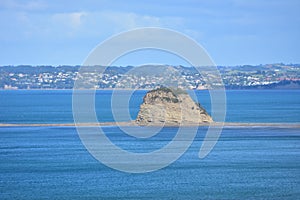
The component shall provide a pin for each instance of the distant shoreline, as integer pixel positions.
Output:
(226, 124)
(121, 89)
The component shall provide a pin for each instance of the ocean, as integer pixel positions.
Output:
(246, 163)
(55, 106)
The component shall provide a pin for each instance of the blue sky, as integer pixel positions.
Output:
(234, 32)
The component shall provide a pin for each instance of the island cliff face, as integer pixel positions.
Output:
(168, 107)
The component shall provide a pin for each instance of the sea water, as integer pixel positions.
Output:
(55, 106)
(52, 163)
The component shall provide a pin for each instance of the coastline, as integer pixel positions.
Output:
(111, 89)
(225, 124)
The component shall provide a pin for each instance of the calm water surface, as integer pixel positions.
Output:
(35, 106)
(45, 162)
(52, 163)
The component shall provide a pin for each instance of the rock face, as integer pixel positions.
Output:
(168, 107)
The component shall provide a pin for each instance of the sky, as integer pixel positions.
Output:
(233, 32)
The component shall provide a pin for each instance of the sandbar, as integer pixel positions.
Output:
(131, 123)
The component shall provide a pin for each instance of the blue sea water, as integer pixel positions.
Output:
(55, 106)
(246, 163)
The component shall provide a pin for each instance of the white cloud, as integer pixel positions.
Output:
(77, 25)
(70, 20)
(124, 20)
(21, 5)
(88, 24)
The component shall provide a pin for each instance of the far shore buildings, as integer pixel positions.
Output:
(27, 77)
